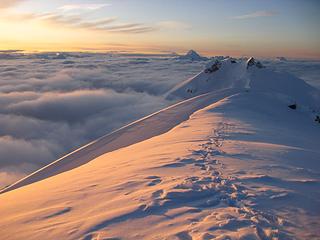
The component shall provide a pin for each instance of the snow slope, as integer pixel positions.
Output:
(250, 74)
(145, 128)
(229, 164)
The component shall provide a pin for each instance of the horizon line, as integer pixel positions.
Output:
(146, 53)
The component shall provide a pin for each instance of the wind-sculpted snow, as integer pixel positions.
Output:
(140, 130)
(249, 74)
(244, 167)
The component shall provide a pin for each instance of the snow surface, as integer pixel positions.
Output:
(234, 162)
(232, 73)
(147, 127)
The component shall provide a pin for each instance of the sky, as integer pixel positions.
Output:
(270, 28)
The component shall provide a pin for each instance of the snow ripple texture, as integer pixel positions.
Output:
(222, 208)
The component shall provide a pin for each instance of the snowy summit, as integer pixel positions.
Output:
(247, 74)
(237, 158)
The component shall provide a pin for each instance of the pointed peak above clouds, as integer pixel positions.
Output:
(192, 55)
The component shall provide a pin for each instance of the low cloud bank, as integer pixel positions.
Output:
(53, 105)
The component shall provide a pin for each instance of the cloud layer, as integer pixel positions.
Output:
(70, 16)
(90, 7)
(52, 103)
(9, 3)
(257, 14)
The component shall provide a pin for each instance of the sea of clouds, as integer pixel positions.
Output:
(53, 103)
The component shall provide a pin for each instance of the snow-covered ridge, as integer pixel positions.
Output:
(140, 130)
(239, 168)
(218, 80)
(234, 163)
(247, 74)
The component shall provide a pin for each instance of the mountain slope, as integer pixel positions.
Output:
(155, 124)
(236, 163)
(227, 171)
(250, 74)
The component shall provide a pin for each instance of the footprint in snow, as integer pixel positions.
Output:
(155, 180)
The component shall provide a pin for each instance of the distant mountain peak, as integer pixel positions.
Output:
(192, 55)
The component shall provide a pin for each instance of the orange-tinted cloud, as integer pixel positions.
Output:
(9, 3)
(78, 22)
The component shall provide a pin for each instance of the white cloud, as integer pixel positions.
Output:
(89, 7)
(76, 21)
(173, 25)
(49, 112)
(256, 14)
